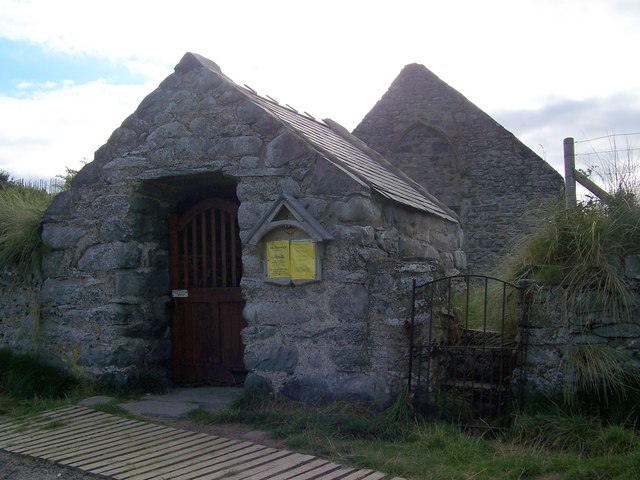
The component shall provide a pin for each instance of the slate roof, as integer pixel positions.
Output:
(350, 154)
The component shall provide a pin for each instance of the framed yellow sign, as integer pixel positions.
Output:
(303, 260)
(278, 259)
(293, 260)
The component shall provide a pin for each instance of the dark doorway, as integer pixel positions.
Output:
(206, 268)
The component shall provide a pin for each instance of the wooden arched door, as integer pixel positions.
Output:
(206, 267)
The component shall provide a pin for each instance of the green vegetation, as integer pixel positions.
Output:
(554, 444)
(22, 204)
(28, 386)
(548, 442)
(490, 306)
(21, 210)
(581, 250)
(22, 377)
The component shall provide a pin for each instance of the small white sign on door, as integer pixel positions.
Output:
(179, 293)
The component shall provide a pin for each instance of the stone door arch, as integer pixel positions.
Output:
(206, 267)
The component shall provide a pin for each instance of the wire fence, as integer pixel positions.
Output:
(52, 186)
(612, 161)
(610, 145)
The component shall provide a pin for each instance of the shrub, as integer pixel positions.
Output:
(580, 248)
(600, 373)
(21, 210)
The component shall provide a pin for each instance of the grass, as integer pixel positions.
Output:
(490, 306)
(21, 210)
(547, 442)
(28, 386)
(22, 377)
(581, 250)
(555, 444)
(603, 375)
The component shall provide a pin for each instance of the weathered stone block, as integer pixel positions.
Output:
(272, 359)
(118, 357)
(289, 187)
(126, 162)
(158, 137)
(239, 146)
(388, 240)
(249, 214)
(61, 292)
(285, 148)
(110, 256)
(105, 316)
(256, 333)
(54, 264)
(350, 303)
(142, 284)
(357, 210)
(113, 229)
(364, 388)
(257, 383)
(306, 388)
(249, 162)
(350, 358)
(410, 248)
(58, 237)
(188, 148)
(273, 313)
(355, 235)
(148, 229)
(62, 204)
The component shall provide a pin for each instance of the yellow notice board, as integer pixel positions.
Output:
(278, 263)
(295, 260)
(303, 260)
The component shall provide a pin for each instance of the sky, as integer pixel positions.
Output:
(71, 71)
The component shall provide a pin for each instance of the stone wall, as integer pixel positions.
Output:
(19, 310)
(465, 158)
(106, 298)
(557, 329)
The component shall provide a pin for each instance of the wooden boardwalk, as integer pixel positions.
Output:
(120, 448)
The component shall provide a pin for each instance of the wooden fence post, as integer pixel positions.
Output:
(569, 173)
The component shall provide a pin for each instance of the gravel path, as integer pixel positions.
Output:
(15, 467)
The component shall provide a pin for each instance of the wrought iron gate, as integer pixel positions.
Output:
(468, 340)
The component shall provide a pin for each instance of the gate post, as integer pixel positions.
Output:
(523, 344)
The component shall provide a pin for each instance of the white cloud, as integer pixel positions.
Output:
(545, 129)
(331, 58)
(51, 129)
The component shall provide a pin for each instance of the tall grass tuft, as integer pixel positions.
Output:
(600, 372)
(562, 431)
(581, 249)
(21, 210)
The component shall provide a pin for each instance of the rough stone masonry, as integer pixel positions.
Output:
(106, 304)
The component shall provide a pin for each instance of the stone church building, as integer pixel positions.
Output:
(219, 237)
(495, 183)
